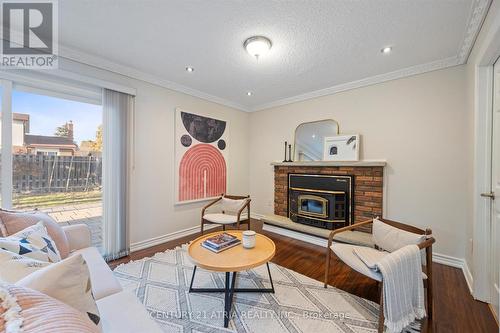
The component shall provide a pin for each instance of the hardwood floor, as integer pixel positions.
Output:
(455, 309)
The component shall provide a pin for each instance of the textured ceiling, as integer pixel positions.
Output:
(319, 47)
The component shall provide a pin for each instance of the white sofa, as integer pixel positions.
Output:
(120, 310)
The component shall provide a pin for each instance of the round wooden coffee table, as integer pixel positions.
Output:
(231, 261)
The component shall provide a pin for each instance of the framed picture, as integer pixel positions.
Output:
(341, 148)
(200, 156)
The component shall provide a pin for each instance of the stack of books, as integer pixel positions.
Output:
(220, 242)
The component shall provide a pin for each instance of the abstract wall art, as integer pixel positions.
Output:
(201, 153)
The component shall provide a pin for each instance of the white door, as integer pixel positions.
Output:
(495, 187)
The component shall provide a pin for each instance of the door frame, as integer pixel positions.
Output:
(483, 113)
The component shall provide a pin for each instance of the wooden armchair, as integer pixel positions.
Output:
(345, 253)
(232, 210)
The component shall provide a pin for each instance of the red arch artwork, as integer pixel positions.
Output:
(202, 173)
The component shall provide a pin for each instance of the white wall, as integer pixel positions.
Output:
(152, 210)
(420, 124)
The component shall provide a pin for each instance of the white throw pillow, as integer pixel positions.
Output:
(232, 206)
(67, 281)
(14, 267)
(33, 242)
(390, 239)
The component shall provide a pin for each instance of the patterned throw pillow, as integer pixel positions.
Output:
(67, 281)
(13, 267)
(13, 221)
(33, 242)
(29, 311)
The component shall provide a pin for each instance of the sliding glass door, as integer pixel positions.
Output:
(55, 152)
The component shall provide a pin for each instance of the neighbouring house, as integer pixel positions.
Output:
(25, 143)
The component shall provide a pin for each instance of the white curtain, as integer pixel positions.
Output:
(117, 109)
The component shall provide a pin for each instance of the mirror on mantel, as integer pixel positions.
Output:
(310, 137)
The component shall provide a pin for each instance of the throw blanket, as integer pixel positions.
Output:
(403, 291)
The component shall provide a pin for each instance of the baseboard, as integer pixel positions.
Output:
(168, 237)
(436, 257)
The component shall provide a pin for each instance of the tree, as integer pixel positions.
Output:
(62, 131)
(97, 144)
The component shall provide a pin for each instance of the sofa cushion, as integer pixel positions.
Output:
(33, 242)
(103, 281)
(13, 267)
(124, 313)
(67, 281)
(33, 312)
(12, 222)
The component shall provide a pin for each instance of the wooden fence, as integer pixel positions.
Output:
(44, 174)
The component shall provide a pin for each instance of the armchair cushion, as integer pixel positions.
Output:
(223, 218)
(346, 253)
(389, 238)
(232, 205)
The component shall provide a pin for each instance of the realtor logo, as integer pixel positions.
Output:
(29, 34)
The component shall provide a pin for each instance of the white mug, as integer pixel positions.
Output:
(249, 239)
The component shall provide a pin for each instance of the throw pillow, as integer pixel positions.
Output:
(390, 239)
(33, 242)
(14, 267)
(67, 281)
(12, 222)
(232, 206)
(29, 311)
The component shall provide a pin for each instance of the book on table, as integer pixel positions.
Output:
(220, 242)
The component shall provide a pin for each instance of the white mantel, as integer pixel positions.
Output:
(365, 163)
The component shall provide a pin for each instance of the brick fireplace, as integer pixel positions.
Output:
(368, 186)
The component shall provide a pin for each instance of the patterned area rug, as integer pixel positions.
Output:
(300, 304)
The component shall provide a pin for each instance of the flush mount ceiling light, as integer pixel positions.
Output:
(249, 93)
(386, 50)
(189, 69)
(257, 46)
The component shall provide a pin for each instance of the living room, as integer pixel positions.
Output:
(249, 166)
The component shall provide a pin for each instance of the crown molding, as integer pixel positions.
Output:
(478, 12)
(401, 73)
(133, 73)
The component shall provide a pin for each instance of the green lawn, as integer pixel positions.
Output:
(26, 201)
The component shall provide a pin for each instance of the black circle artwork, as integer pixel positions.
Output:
(221, 144)
(186, 140)
(203, 129)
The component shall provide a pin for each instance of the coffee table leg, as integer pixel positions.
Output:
(270, 277)
(228, 299)
(192, 280)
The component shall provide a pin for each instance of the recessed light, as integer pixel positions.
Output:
(257, 46)
(314, 136)
(386, 49)
(249, 93)
(189, 69)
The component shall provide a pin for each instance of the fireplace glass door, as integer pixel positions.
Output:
(313, 205)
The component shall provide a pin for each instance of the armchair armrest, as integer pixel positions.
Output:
(246, 205)
(78, 235)
(349, 227)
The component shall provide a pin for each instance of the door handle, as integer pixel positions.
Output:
(490, 195)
